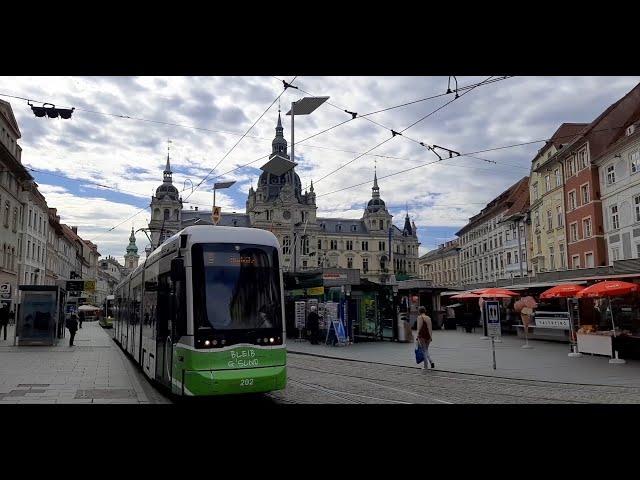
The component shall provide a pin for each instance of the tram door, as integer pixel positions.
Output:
(164, 342)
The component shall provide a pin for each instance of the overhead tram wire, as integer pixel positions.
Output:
(394, 133)
(226, 132)
(285, 86)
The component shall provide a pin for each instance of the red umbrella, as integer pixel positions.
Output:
(565, 290)
(464, 296)
(496, 291)
(608, 288)
(493, 295)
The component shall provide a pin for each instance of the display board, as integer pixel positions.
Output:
(493, 318)
(301, 314)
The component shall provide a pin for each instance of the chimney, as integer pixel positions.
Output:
(196, 209)
(75, 230)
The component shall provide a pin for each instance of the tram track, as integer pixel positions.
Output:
(447, 389)
(343, 395)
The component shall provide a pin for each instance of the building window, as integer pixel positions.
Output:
(338, 228)
(583, 161)
(586, 227)
(365, 265)
(572, 200)
(334, 244)
(549, 220)
(286, 245)
(349, 262)
(615, 254)
(552, 260)
(611, 174)
(382, 246)
(575, 261)
(508, 258)
(634, 159)
(636, 204)
(30, 215)
(381, 224)
(7, 207)
(558, 177)
(570, 167)
(536, 217)
(305, 246)
(365, 245)
(319, 244)
(547, 182)
(588, 260)
(303, 216)
(167, 214)
(560, 216)
(539, 243)
(574, 232)
(584, 193)
(349, 244)
(615, 222)
(638, 250)
(561, 253)
(354, 228)
(535, 191)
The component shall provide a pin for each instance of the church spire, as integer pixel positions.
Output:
(132, 248)
(279, 143)
(167, 174)
(375, 190)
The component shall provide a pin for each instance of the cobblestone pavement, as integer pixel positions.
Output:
(323, 380)
(93, 371)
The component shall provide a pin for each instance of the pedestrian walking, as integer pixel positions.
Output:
(425, 334)
(4, 318)
(312, 324)
(72, 325)
(81, 317)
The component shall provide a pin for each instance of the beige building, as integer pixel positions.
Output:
(441, 265)
(548, 248)
(13, 176)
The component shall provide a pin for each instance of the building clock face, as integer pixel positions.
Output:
(286, 214)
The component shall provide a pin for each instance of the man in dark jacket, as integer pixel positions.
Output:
(72, 325)
(4, 318)
(312, 325)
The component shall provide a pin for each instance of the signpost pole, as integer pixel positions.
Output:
(493, 348)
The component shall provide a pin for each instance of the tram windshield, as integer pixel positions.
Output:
(236, 287)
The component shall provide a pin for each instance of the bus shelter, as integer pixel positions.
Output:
(40, 318)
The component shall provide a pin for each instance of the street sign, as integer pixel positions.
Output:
(493, 318)
(75, 285)
(89, 285)
(5, 290)
(216, 213)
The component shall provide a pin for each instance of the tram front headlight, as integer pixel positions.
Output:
(215, 342)
(207, 343)
(271, 339)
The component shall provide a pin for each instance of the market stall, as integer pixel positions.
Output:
(616, 325)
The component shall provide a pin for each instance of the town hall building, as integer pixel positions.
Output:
(371, 243)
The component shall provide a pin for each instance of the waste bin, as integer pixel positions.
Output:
(404, 330)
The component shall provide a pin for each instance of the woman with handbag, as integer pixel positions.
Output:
(424, 336)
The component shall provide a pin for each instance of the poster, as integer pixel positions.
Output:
(493, 318)
(301, 314)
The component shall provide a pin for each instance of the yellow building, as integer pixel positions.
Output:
(548, 246)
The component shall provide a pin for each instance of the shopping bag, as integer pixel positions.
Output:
(419, 354)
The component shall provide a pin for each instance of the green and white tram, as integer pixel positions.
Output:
(204, 314)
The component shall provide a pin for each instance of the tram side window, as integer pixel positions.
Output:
(164, 305)
(180, 309)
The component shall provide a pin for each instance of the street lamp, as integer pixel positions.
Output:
(304, 106)
(218, 186)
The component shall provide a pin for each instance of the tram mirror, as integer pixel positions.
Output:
(177, 270)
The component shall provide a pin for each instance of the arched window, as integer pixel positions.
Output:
(176, 213)
(166, 214)
(381, 224)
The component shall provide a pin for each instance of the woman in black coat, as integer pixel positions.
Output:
(72, 325)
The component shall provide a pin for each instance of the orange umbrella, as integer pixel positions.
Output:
(565, 290)
(493, 295)
(496, 291)
(608, 288)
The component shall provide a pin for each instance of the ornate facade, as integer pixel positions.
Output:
(371, 243)
(166, 205)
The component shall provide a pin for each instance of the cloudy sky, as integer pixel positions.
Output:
(127, 155)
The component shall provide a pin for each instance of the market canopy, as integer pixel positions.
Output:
(609, 288)
(88, 308)
(464, 296)
(565, 290)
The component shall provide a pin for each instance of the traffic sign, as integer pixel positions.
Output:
(216, 214)
(493, 318)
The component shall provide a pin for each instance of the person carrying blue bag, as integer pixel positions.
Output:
(424, 339)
